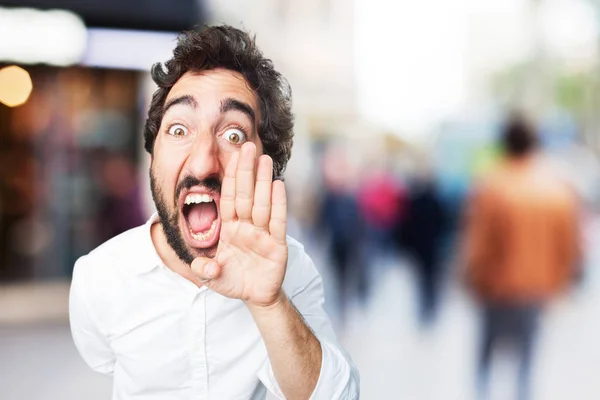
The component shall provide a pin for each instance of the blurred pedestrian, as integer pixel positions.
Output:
(521, 248)
(340, 221)
(382, 201)
(420, 234)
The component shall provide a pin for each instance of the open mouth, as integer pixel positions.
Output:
(202, 222)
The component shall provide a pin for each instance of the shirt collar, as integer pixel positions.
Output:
(149, 258)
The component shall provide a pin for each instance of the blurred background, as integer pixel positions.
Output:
(399, 107)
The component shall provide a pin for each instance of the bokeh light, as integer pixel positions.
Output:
(15, 86)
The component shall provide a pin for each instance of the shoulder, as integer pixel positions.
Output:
(491, 184)
(121, 243)
(113, 258)
(301, 270)
(295, 250)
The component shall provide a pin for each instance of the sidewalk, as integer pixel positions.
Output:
(34, 303)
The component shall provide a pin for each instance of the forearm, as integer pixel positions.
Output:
(294, 351)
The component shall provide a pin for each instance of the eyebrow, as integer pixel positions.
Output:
(230, 104)
(185, 100)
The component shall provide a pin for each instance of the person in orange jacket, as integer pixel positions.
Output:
(521, 247)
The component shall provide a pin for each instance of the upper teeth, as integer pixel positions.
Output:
(194, 198)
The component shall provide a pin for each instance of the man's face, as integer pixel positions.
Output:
(208, 116)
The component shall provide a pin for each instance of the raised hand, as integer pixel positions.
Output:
(251, 257)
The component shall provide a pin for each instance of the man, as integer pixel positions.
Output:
(521, 247)
(339, 220)
(421, 233)
(210, 299)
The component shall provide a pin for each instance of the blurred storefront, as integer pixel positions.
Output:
(70, 155)
(67, 156)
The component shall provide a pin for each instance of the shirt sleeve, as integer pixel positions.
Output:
(89, 340)
(339, 378)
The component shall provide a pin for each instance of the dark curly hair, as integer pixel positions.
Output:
(229, 48)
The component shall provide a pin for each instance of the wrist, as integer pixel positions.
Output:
(279, 302)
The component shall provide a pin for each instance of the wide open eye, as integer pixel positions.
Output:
(234, 136)
(177, 130)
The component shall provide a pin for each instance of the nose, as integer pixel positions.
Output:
(203, 160)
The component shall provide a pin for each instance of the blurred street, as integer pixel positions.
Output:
(395, 359)
(440, 149)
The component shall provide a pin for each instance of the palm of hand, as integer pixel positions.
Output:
(251, 263)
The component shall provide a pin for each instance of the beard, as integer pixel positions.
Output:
(169, 219)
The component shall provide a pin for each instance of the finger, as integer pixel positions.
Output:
(205, 269)
(277, 224)
(227, 206)
(244, 182)
(261, 210)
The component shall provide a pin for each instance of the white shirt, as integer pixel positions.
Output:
(161, 337)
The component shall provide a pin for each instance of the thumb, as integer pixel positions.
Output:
(205, 268)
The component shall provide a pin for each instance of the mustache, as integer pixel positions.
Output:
(212, 183)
